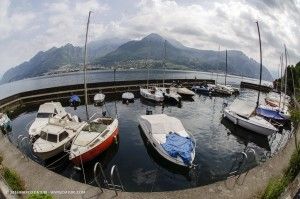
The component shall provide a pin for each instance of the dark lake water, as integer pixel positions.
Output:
(141, 168)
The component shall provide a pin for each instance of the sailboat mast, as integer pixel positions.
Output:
(226, 68)
(260, 71)
(147, 67)
(281, 64)
(84, 66)
(285, 78)
(164, 62)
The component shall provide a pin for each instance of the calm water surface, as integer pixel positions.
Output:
(141, 168)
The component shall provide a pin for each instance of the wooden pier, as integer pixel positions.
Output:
(258, 87)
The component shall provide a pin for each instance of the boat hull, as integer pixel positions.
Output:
(50, 154)
(97, 150)
(243, 122)
(152, 97)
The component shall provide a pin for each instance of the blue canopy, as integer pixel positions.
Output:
(270, 114)
(74, 98)
(177, 145)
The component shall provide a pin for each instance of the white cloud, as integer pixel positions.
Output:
(204, 25)
(12, 23)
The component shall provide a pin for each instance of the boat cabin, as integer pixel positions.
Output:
(54, 134)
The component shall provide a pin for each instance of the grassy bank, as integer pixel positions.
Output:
(277, 185)
(12, 179)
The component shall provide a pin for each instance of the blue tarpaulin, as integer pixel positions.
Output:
(271, 114)
(74, 98)
(177, 145)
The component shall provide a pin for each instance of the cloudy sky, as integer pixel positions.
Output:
(29, 26)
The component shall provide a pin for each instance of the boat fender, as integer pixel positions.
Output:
(236, 121)
(116, 139)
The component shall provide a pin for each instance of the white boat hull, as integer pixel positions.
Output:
(49, 154)
(157, 96)
(99, 98)
(249, 123)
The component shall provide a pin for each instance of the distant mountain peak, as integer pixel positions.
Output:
(153, 37)
(68, 45)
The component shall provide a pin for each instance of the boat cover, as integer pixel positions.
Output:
(241, 108)
(269, 113)
(51, 107)
(75, 98)
(162, 124)
(177, 145)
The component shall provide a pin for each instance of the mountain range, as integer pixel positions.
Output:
(147, 52)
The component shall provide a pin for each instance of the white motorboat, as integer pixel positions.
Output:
(93, 139)
(182, 91)
(152, 94)
(169, 138)
(222, 89)
(55, 138)
(5, 125)
(46, 111)
(234, 89)
(127, 97)
(242, 114)
(99, 98)
(169, 95)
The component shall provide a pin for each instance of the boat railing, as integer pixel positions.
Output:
(98, 165)
(238, 166)
(112, 185)
(114, 169)
(26, 150)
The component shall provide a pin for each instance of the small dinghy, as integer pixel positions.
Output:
(127, 97)
(5, 125)
(242, 114)
(99, 98)
(169, 138)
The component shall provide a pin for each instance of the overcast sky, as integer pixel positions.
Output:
(29, 26)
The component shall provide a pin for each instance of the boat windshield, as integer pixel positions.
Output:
(48, 136)
(44, 115)
(95, 127)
